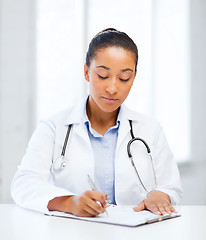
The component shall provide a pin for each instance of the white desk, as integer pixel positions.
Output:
(17, 223)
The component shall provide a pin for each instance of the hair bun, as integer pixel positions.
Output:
(106, 31)
(109, 30)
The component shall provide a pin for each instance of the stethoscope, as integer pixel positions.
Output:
(131, 157)
(60, 163)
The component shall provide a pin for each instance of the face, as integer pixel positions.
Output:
(110, 76)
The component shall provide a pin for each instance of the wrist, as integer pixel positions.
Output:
(62, 204)
(158, 193)
(147, 195)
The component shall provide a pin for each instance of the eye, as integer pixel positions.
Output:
(102, 77)
(124, 80)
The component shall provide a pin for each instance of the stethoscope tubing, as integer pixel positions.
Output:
(131, 158)
(66, 140)
(136, 139)
(63, 163)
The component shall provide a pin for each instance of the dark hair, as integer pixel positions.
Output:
(111, 37)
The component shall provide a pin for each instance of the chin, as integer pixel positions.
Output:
(109, 109)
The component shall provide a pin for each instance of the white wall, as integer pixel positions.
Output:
(60, 40)
(17, 94)
(17, 86)
(198, 71)
(193, 175)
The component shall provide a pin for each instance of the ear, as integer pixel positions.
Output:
(86, 72)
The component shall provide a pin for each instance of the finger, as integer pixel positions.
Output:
(155, 210)
(173, 209)
(169, 209)
(85, 203)
(93, 204)
(152, 206)
(165, 208)
(162, 209)
(91, 211)
(96, 207)
(86, 212)
(81, 208)
(98, 197)
(140, 207)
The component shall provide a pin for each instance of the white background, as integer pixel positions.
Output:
(161, 31)
(32, 53)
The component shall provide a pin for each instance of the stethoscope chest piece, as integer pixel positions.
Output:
(59, 164)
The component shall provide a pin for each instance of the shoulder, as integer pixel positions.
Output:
(138, 118)
(68, 116)
(57, 119)
(143, 125)
(60, 117)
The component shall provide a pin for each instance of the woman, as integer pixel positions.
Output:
(99, 129)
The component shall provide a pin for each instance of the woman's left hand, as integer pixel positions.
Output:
(157, 202)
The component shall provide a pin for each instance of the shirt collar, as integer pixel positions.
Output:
(88, 124)
(85, 117)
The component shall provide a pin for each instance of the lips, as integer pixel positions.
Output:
(110, 100)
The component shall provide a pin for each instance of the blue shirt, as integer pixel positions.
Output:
(104, 148)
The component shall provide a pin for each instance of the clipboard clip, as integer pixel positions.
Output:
(164, 217)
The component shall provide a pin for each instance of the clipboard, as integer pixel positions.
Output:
(120, 215)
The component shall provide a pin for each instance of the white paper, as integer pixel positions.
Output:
(120, 215)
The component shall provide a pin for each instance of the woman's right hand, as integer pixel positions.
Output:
(89, 204)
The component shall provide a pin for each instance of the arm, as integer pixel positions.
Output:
(85, 205)
(168, 191)
(32, 187)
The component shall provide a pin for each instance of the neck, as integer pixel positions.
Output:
(100, 121)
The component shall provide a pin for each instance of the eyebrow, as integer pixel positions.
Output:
(123, 70)
(102, 66)
(127, 69)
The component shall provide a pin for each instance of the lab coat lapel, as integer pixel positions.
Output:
(121, 158)
(79, 117)
(125, 115)
(76, 118)
(125, 177)
(123, 132)
(80, 133)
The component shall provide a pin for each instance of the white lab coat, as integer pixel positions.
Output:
(36, 182)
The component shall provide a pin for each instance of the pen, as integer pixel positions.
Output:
(91, 183)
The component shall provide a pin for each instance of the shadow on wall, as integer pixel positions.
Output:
(193, 183)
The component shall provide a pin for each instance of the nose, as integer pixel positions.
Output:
(112, 87)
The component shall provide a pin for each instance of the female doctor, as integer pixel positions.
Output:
(91, 139)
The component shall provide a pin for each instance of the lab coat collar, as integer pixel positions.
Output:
(77, 115)
(126, 114)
